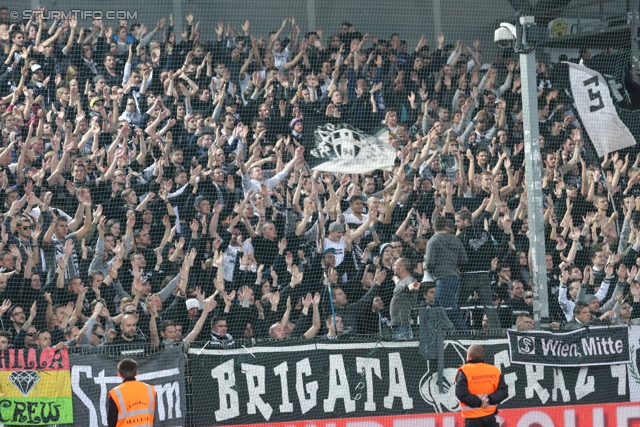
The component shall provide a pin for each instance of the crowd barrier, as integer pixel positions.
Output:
(320, 383)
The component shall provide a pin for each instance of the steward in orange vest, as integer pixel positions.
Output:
(480, 387)
(132, 403)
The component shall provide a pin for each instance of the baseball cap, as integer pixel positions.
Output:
(97, 78)
(192, 303)
(336, 226)
(35, 67)
(94, 100)
(332, 250)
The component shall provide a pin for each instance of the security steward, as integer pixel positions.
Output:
(132, 403)
(480, 387)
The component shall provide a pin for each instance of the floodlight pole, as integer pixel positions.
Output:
(533, 174)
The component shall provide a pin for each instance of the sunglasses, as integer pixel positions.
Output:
(131, 312)
(31, 334)
(98, 335)
(27, 228)
(528, 296)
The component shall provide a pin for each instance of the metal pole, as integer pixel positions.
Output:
(437, 19)
(533, 173)
(311, 15)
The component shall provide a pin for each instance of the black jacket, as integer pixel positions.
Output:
(479, 246)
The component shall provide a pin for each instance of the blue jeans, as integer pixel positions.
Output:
(402, 333)
(446, 290)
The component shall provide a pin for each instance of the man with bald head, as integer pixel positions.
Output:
(128, 328)
(480, 387)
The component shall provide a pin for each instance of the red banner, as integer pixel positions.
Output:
(605, 415)
(48, 359)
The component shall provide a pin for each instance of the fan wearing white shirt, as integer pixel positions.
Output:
(357, 215)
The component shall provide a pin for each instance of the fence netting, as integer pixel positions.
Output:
(308, 211)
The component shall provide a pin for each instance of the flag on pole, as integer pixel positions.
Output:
(599, 117)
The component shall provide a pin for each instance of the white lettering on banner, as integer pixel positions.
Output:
(501, 361)
(368, 366)
(256, 386)
(169, 391)
(620, 372)
(627, 413)
(303, 367)
(536, 418)
(557, 348)
(281, 371)
(397, 384)
(339, 385)
(77, 390)
(599, 345)
(535, 374)
(228, 397)
(558, 384)
(569, 418)
(412, 422)
(584, 385)
(102, 381)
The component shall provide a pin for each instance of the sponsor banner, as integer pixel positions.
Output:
(612, 414)
(35, 388)
(345, 380)
(598, 114)
(342, 148)
(94, 375)
(584, 347)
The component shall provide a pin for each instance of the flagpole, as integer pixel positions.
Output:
(533, 173)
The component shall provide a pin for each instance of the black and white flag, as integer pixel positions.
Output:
(344, 149)
(599, 117)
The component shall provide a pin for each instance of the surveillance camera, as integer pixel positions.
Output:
(505, 36)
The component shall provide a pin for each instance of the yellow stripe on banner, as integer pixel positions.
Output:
(50, 384)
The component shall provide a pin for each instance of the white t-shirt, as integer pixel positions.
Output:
(280, 59)
(350, 218)
(338, 247)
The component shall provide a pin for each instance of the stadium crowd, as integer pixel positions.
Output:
(156, 188)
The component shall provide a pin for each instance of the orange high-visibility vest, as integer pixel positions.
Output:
(482, 380)
(136, 402)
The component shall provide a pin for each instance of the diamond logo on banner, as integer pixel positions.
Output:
(24, 380)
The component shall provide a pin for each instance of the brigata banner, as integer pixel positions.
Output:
(592, 346)
(34, 387)
(94, 375)
(351, 380)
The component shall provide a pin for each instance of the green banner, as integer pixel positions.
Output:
(584, 347)
(36, 412)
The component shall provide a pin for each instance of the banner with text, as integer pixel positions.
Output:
(94, 375)
(35, 389)
(352, 380)
(584, 347)
(616, 414)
